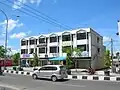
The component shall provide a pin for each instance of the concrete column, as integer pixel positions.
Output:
(48, 47)
(74, 40)
(60, 45)
(28, 47)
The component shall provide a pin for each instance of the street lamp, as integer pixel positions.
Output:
(6, 32)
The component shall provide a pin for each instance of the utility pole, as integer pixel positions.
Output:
(112, 52)
(6, 35)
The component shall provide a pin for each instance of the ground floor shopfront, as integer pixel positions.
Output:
(81, 62)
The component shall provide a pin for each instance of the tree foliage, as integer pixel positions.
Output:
(71, 52)
(107, 59)
(35, 60)
(2, 52)
(16, 58)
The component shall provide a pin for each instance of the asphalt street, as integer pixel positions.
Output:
(27, 83)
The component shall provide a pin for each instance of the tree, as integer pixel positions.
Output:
(107, 59)
(35, 59)
(71, 52)
(16, 58)
(2, 52)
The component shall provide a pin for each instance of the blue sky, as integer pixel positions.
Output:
(101, 15)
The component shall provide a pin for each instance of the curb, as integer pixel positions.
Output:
(18, 72)
(95, 78)
(74, 77)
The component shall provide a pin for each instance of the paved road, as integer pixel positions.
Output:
(27, 83)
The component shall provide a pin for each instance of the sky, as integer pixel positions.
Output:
(101, 15)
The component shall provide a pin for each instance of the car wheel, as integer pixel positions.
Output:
(34, 76)
(54, 78)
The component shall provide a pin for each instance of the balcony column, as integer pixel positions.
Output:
(28, 46)
(86, 42)
(57, 46)
(71, 40)
(60, 46)
(46, 45)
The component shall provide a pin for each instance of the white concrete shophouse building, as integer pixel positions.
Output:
(50, 45)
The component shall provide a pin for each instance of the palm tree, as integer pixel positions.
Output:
(72, 53)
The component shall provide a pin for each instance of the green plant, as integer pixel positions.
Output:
(35, 59)
(14, 68)
(71, 52)
(107, 59)
(16, 58)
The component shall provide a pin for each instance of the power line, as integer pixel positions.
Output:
(29, 14)
(43, 14)
(43, 18)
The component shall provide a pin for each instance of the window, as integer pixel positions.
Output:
(48, 68)
(24, 51)
(81, 36)
(82, 47)
(41, 40)
(66, 38)
(23, 43)
(42, 50)
(98, 50)
(65, 47)
(98, 40)
(54, 49)
(32, 42)
(53, 39)
(31, 50)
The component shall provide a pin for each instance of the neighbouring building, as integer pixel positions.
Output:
(50, 46)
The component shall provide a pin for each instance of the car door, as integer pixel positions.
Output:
(42, 72)
(48, 72)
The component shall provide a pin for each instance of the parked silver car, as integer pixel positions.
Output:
(53, 72)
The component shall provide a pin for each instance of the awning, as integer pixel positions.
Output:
(58, 58)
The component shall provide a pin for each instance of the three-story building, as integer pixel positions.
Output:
(51, 45)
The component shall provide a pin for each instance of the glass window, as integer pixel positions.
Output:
(32, 42)
(98, 40)
(48, 68)
(81, 36)
(82, 47)
(98, 50)
(53, 39)
(53, 49)
(31, 50)
(66, 38)
(42, 50)
(65, 48)
(41, 40)
(24, 51)
(23, 43)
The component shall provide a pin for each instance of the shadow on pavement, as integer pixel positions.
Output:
(63, 80)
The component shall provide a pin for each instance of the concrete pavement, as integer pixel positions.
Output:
(27, 83)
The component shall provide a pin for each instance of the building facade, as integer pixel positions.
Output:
(51, 45)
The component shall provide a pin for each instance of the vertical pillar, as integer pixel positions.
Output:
(60, 46)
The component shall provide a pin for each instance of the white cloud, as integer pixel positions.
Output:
(20, 3)
(11, 24)
(106, 39)
(20, 35)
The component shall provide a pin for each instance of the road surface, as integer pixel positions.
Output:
(27, 83)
